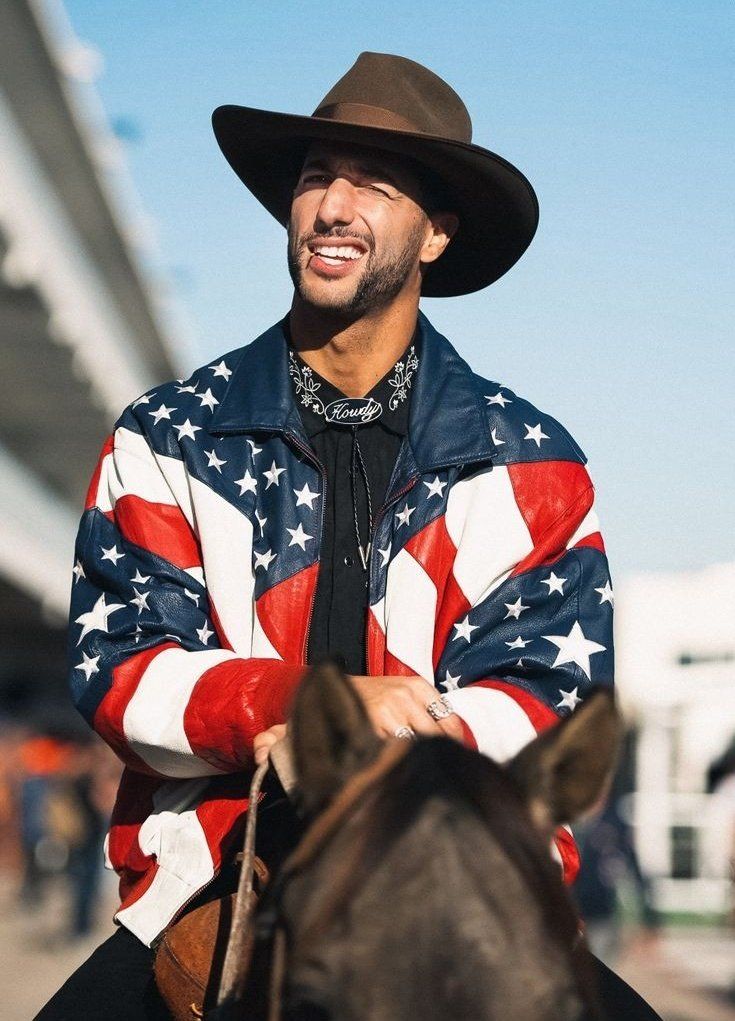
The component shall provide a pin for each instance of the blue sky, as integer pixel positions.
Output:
(618, 320)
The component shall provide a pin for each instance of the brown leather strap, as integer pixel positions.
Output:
(235, 963)
(325, 824)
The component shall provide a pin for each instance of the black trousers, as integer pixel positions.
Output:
(116, 984)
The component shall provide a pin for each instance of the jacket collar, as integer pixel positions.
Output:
(259, 398)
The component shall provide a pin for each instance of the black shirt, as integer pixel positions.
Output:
(377, 423)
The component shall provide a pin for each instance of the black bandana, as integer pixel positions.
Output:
(322, 404)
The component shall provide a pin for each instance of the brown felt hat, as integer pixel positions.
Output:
(397, 105)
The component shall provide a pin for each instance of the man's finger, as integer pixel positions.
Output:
(422, 723)
(261, 754)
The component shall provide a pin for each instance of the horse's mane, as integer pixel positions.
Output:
(442, 768)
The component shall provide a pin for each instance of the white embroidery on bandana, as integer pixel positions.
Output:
(352, 409)
(305, 384)
(401, 382)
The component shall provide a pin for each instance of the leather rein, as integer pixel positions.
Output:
(235, 967)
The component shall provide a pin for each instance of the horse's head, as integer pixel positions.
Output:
(426, 886)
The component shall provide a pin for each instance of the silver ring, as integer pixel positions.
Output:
(440, 708)
(407, 733)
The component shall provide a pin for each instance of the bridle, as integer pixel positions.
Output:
(239, 947)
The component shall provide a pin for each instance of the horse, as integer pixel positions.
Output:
(425, 886)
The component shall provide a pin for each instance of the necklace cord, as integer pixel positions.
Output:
(355, 460)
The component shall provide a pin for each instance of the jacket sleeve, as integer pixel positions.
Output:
(528, 642)
(149, 666)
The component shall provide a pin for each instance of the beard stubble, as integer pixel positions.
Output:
(379, 282)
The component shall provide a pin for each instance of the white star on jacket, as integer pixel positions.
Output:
(264, 560)
(555, 583)
(519, 643)
(96, 618)
(208, 399)
(273, 475)
(88, 665)
(305, 497)
(299, 536)
(496, 441)
(204, 633)
(574, 648)
(78, 571)
(214, 461)
(385, 555)
(140, 579)
(186, 429)
(140, 600)
(247, 484)
(221, 370)
(606, 593)
(404, 516)
(570, 699)
(535, 434)
(450, 682)
(254, 451)
(436, 488)
(111, 554)
(163, 412)
(464, 629)
(515, 609)
(497, 399)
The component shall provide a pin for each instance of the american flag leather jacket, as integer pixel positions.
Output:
(195, 569)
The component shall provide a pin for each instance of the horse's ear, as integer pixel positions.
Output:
(568, 767)
(331, 733)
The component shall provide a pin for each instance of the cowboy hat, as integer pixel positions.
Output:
(393, 103)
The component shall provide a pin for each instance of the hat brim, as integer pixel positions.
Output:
(495, 203)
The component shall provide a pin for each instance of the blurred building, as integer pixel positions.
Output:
(675, 646)
(86, 324)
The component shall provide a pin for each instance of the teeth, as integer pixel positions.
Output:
(339, 251)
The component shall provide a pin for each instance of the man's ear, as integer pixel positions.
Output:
(444, 227)
(331, 734)
(565, 770)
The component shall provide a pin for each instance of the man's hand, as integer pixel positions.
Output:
(265, 740)
(393, 702)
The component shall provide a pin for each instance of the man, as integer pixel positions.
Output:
(345, 484)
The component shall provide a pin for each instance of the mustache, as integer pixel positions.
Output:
(337, 232)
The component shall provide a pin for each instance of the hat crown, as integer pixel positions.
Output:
(389, 91)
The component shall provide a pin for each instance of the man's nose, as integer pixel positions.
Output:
(337, 204)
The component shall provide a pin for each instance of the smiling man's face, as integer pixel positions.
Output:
(357, 234)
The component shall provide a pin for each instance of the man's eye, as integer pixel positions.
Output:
(374, 187)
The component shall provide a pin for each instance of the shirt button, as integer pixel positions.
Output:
(348, 561)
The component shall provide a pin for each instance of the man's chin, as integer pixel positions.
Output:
(329, 299)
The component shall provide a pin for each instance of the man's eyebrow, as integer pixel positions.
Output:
(366, 166)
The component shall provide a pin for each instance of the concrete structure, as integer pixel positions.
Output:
(675, 636)
(86, 323)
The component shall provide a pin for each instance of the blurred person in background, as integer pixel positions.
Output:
(92, 777)
(42, 760)
(609, 864)
(11, 859)
(721, 785)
